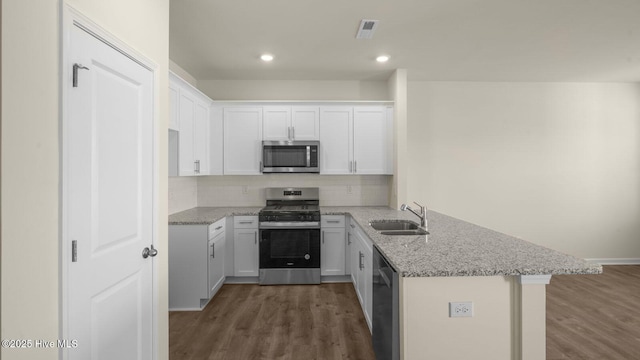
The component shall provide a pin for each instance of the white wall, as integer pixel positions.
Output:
(30, 148)
(557, 164)
(29, 174)
(183, 193)
(293, 90)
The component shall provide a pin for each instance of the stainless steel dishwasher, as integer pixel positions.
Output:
(386, 332)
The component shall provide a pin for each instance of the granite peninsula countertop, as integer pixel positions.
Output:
(453, 248)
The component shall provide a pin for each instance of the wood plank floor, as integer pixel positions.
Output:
(589, 317)
(594, 316)
(273, 322)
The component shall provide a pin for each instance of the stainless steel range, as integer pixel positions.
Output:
(290, 237)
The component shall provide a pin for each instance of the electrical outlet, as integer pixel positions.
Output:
(245, 189)
(349, 189)
(461, 309)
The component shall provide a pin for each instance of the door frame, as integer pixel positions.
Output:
(69, 18)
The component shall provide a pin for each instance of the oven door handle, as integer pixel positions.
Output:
(290, 225)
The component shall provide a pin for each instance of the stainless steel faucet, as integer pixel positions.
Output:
(422, 215)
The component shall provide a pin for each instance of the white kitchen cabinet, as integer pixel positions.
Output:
(194, 274)
(332, 245)
(189, 108)
(336, 140)
(284, 123)
(246, 250)
(372, 140)
(217, 253)
(362, 270)
(356, 140)
(173, 106)
(242, 140)
(216, 141)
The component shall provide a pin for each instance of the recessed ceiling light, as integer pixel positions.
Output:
(266, 57)
(382, 58)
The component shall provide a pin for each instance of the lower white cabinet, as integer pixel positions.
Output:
(332, 245)
(196, 264)
(245, 242)
(216, 260)
(362, 269)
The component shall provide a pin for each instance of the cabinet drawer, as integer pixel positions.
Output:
(216, 228)
(332, 221)
(245, 222)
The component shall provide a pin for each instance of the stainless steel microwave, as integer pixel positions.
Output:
(290, 156)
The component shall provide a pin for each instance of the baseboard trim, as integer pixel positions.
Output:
(615, 261)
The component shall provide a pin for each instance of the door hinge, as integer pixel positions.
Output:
(74, 251)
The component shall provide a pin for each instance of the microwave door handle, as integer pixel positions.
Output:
(308, 156)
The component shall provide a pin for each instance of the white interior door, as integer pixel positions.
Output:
(108, 202)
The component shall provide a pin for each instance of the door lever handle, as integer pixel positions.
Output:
(75, 73)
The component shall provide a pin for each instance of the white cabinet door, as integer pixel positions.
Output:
(336, 135)
(353, 254)
(216, 263)
(368, 284)
(216, 136)
(276, 123)
(186, 116)
(362, 270)
(370, 140)
(282, 123)
(242, 140)
(190, 109)
(200, 139)
(173, 107)
(332, 254)
(305, 123)
(245, 253)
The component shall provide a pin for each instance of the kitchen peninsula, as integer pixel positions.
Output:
(502, 275)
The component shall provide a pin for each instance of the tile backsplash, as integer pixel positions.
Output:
(183, 193)
(349, 190)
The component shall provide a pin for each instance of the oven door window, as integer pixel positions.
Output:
(285, 156)
(288, 248)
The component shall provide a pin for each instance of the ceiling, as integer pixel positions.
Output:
(436, 40)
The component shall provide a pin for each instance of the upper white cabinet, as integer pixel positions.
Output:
(190, 115)
(336, 140)
(286, 123)
(173, 106)
(356, 140)
(242, 140)
(372, 140)
(216, 141)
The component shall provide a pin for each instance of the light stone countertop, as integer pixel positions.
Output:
(209, 215)
(453, 247)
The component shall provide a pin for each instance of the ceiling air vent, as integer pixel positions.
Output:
(367, 27)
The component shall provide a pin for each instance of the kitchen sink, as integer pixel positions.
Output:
(397, 227)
